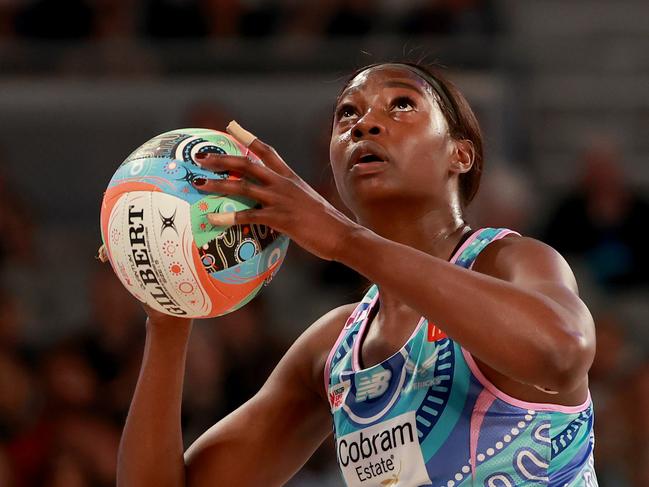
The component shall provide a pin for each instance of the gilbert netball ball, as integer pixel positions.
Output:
(158, 239)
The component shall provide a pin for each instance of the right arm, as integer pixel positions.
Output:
(264, 442)
(150, 451)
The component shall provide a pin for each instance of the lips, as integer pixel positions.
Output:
(367, 152)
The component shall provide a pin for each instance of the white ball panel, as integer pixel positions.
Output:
(117, 243)
(153, 257)
(177, 265)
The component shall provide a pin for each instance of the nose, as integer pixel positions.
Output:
(367, 125)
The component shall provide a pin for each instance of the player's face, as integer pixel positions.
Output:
(390, 140)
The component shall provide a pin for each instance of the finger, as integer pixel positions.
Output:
(102, 254)
(242, 217)
(234, 164)
(241, 187)
(264, 151)
(222, 219)
(239, 133)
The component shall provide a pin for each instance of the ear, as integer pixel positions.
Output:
(462, 160)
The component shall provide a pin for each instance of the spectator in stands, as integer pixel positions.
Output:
(55, 19)
(6, 475)
(204, 391)
(613, 363)
(11, 324)
(67, 438)
(636, 452)
(16, 224)
(8, 9)
(453, 17)
(250, 351)
(331, 18)
(175, 19)
(223, 17)
(18, 398)
(208, 114)
(111, 341)
(115, 19)
(601, 219)
(506, 199)
(352, 18)
(260, 18)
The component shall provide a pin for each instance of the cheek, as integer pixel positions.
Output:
(337, 148)
(428, 155)
(425, 145)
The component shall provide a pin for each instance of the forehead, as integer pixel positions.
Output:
(386, 76)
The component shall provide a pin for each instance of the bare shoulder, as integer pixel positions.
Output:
(514, 258)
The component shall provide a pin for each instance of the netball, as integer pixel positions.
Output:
(159, 241)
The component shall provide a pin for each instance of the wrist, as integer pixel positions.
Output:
(348, 243)
(169, 325)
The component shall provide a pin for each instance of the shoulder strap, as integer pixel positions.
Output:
(363, 308)
(467, 254)
(357, 316)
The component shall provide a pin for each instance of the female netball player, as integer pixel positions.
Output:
(464, 365)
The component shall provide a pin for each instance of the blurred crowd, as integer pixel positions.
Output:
(193, 19)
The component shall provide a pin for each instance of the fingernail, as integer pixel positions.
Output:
(221, 219)
(201, 155)
(199, 181)
(239, 133)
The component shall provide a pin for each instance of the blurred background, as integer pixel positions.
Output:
(560, 87)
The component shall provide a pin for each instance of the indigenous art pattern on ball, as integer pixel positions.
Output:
(231, 264)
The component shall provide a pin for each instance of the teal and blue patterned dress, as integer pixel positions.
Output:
(428, 416)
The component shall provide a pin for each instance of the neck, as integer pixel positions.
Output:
(435, 232)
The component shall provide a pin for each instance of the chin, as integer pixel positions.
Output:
(373, 196)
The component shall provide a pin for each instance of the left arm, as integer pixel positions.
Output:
(526, 320)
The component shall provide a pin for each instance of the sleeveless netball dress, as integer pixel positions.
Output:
(428, 416)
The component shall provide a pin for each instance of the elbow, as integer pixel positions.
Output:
(569, 363)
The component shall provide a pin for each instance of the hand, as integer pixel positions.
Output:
(155, 318)
(158, 319)
(289, 205)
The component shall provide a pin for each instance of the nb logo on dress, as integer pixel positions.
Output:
(372, 386)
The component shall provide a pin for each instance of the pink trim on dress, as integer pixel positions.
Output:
(341, 335)
(361, 333)
(466, 243)
(327, 370)
(536, 406)
(482, 404)
(499, 235)
(356, 351)
(469, 241)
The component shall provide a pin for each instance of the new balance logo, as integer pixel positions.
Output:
(370, 387)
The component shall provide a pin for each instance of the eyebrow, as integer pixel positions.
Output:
(403, 84)
(388, 84)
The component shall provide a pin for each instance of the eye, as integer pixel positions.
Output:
(403, 104)
(345, 111)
